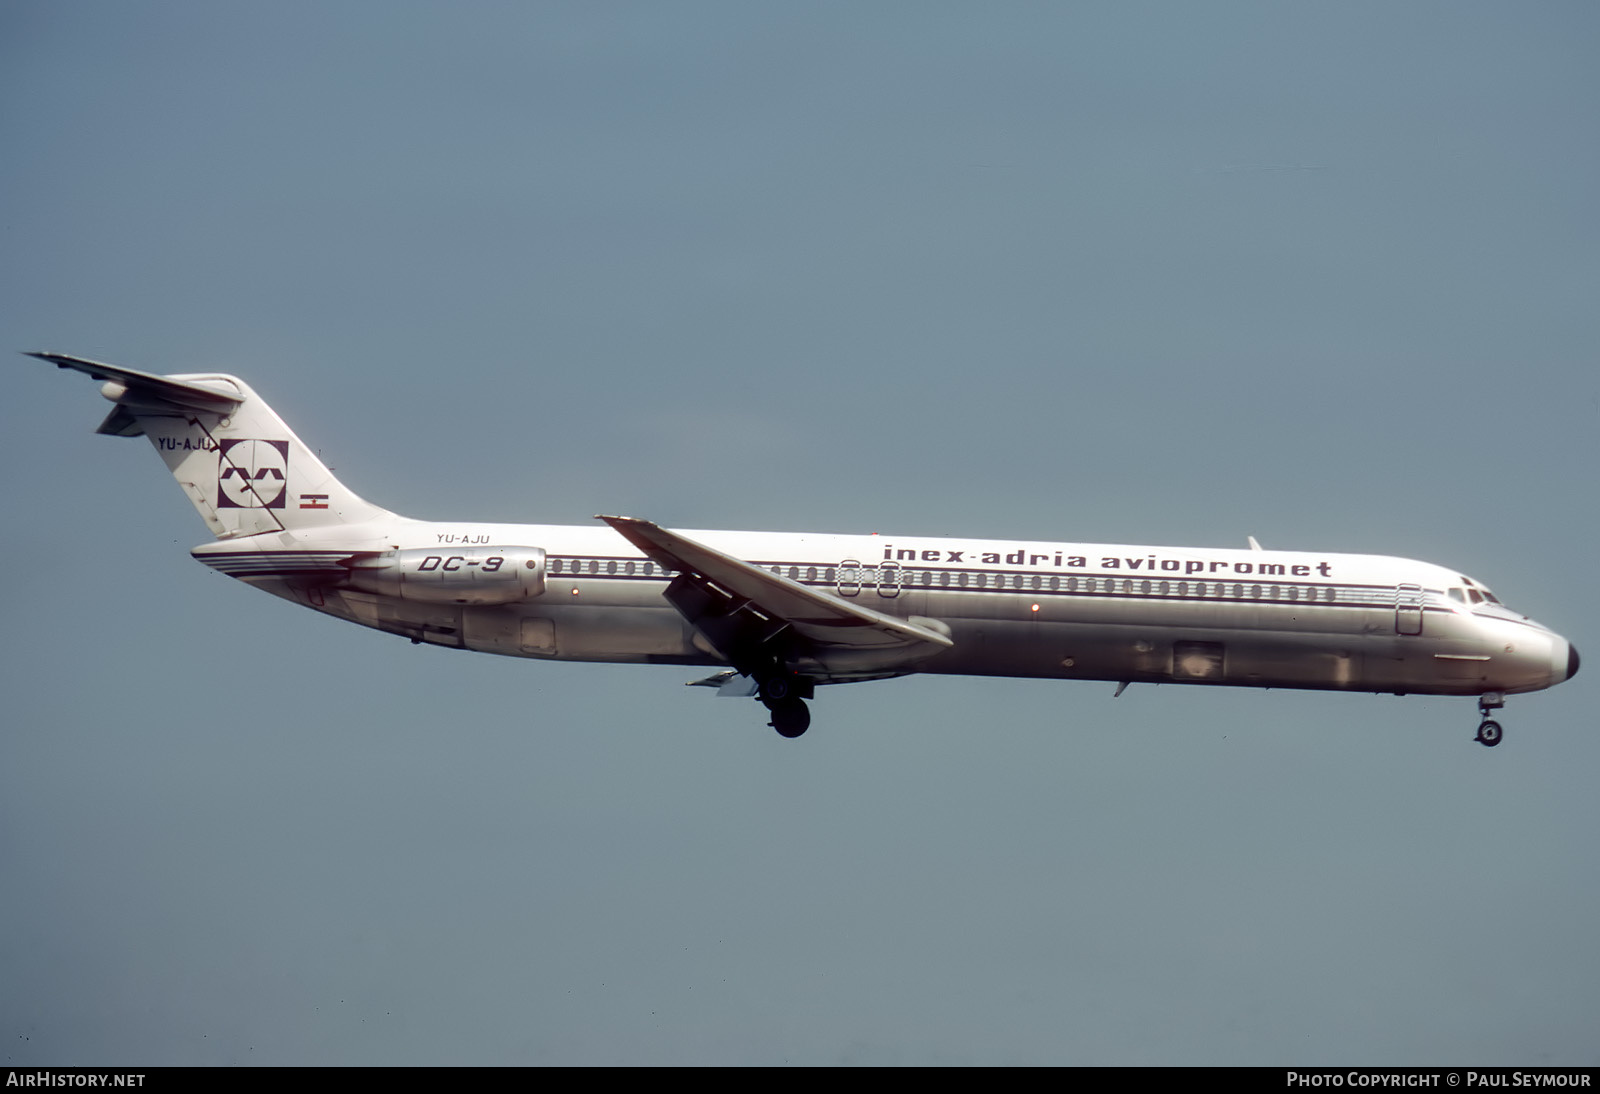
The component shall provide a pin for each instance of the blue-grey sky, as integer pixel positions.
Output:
(1170, 273)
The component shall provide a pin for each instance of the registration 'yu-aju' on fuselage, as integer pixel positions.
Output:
(781, 613)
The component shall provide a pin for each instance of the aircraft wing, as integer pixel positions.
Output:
(145, 390)
(827, 623)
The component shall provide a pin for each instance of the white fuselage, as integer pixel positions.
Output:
(1012, 608)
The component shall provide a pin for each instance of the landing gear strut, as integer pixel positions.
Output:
(1489, 731)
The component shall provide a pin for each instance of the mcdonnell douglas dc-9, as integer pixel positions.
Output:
(779, 614)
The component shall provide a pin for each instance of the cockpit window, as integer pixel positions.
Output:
(1477, 592)
(1458, 596)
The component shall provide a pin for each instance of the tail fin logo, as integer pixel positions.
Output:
(252, 474)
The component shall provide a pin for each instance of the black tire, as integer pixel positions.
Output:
(791, 718)
(1489, 733)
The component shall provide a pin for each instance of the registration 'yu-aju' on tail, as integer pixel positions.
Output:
(781, 613)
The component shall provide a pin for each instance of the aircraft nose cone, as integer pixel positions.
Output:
(1563, 660)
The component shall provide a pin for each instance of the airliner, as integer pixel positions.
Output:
(780, 614)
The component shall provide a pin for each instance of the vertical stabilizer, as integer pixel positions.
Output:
(242, 467)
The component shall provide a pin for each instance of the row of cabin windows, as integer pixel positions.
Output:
(1054, 583)
(595, 566)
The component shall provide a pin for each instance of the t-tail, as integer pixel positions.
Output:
(242, 467)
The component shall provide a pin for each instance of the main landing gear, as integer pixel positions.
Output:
(784, 695)
(1489, 731)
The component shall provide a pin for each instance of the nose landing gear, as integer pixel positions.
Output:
(1489, 731)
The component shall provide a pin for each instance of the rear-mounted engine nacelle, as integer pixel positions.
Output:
(471, 575)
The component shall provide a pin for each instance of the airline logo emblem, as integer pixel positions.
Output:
(252, 474)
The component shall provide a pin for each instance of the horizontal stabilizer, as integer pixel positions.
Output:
(147, 387)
